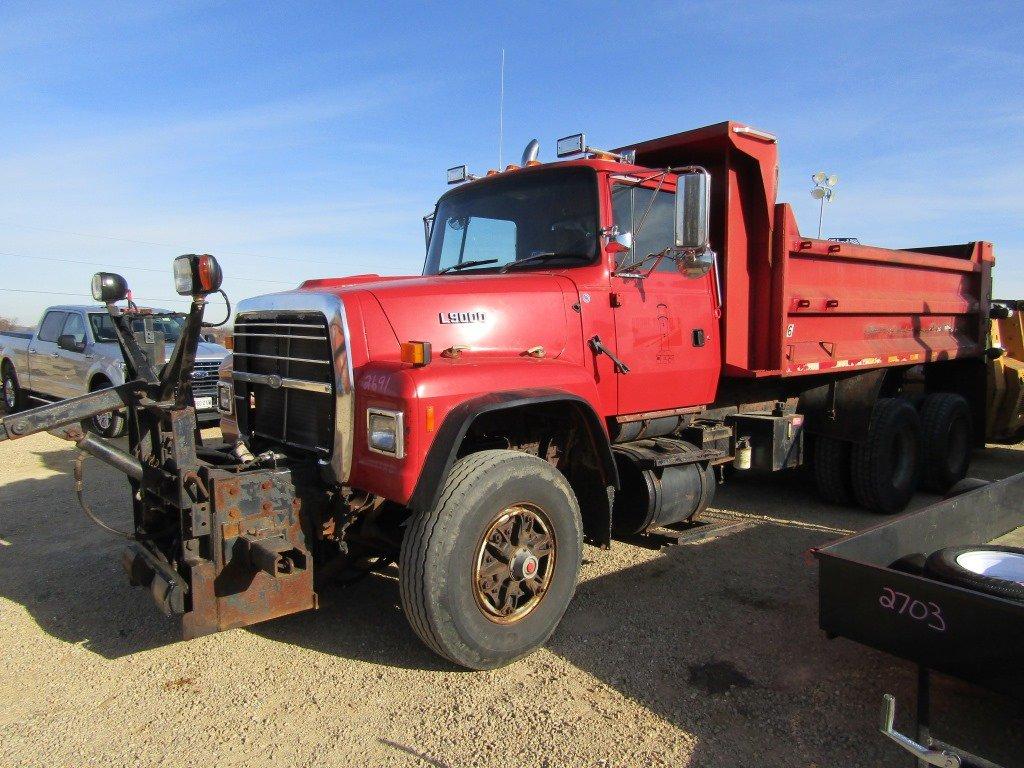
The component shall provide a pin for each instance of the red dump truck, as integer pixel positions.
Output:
(592, 345)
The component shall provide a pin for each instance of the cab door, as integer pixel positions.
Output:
(666, 324)
(73, 367)
(42, 351)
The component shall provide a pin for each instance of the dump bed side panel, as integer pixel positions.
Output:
(845, 306)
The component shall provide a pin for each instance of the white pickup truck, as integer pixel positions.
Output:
(74, 350)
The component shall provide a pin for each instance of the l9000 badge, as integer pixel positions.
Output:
(447, 318)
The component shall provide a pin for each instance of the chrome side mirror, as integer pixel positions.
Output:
(695, 265)
(624, 239)
(693, 211)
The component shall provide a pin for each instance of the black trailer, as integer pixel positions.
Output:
(870, 591)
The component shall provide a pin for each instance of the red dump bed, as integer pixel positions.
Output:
(794, 305)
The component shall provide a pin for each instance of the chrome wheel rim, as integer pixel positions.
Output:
(9, 394)
(514, 564)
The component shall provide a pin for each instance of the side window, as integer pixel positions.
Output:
(651, 222)
(102, 327)
(50, 328)
(75, 326)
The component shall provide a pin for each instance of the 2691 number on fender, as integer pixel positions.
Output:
(918, 610)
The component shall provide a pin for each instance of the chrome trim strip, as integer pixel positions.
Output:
(282, 357)
(338, 468)
(281, 325)
(279, 336)
(319, 387)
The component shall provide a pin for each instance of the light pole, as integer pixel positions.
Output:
(823, 190)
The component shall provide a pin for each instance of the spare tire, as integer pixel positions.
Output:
(988, 568)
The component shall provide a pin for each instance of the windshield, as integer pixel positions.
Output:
(103, 328)
(543, 218)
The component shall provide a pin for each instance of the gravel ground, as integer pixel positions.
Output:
(704, 654)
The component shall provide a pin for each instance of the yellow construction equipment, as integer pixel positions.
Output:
(1005, 413)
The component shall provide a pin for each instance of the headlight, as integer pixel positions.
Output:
(196, 275)
(385, 432)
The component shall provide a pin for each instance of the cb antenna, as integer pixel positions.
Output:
(501, 108)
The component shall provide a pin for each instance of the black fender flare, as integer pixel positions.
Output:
(453, 429)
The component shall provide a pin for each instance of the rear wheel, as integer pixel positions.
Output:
(832, 470)
(945, 441)
(886, 467)
(487, 575)
(111, 424)
(14, 399)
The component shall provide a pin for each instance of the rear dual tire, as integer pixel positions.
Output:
(886, 468)
(904, 449)
(946, 440)
(461, 597)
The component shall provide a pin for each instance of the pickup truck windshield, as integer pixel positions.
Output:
(548, 217)
(103, 329)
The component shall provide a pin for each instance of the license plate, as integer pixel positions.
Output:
(204, 403)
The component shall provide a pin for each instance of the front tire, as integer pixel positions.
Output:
(112, 424)
(487, 575)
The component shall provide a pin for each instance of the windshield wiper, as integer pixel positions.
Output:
(545, 256)
(466, 265)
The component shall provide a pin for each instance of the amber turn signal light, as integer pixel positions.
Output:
(416, 352)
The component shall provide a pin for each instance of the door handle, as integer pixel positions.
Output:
(31, 351)
(54, 354)
(600, 349)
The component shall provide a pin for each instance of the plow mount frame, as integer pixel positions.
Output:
(219, 541)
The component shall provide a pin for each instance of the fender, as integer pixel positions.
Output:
(445, 446)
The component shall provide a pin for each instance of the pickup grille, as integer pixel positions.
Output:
(284, 380)
(204, 378)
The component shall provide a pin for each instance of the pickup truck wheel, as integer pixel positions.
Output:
(487, 575)
(111, 424)
(946, 441)
(14, 398)
(832, 470)
(886, 467)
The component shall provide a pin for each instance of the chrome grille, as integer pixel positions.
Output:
(204, 378)
(284, 379)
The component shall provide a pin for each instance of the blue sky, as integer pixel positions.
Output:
(298, 140)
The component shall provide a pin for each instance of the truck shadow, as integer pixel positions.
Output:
(65, 571)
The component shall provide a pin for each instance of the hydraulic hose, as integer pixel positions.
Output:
(79, 474)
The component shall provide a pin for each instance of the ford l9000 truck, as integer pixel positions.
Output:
(592, 343)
